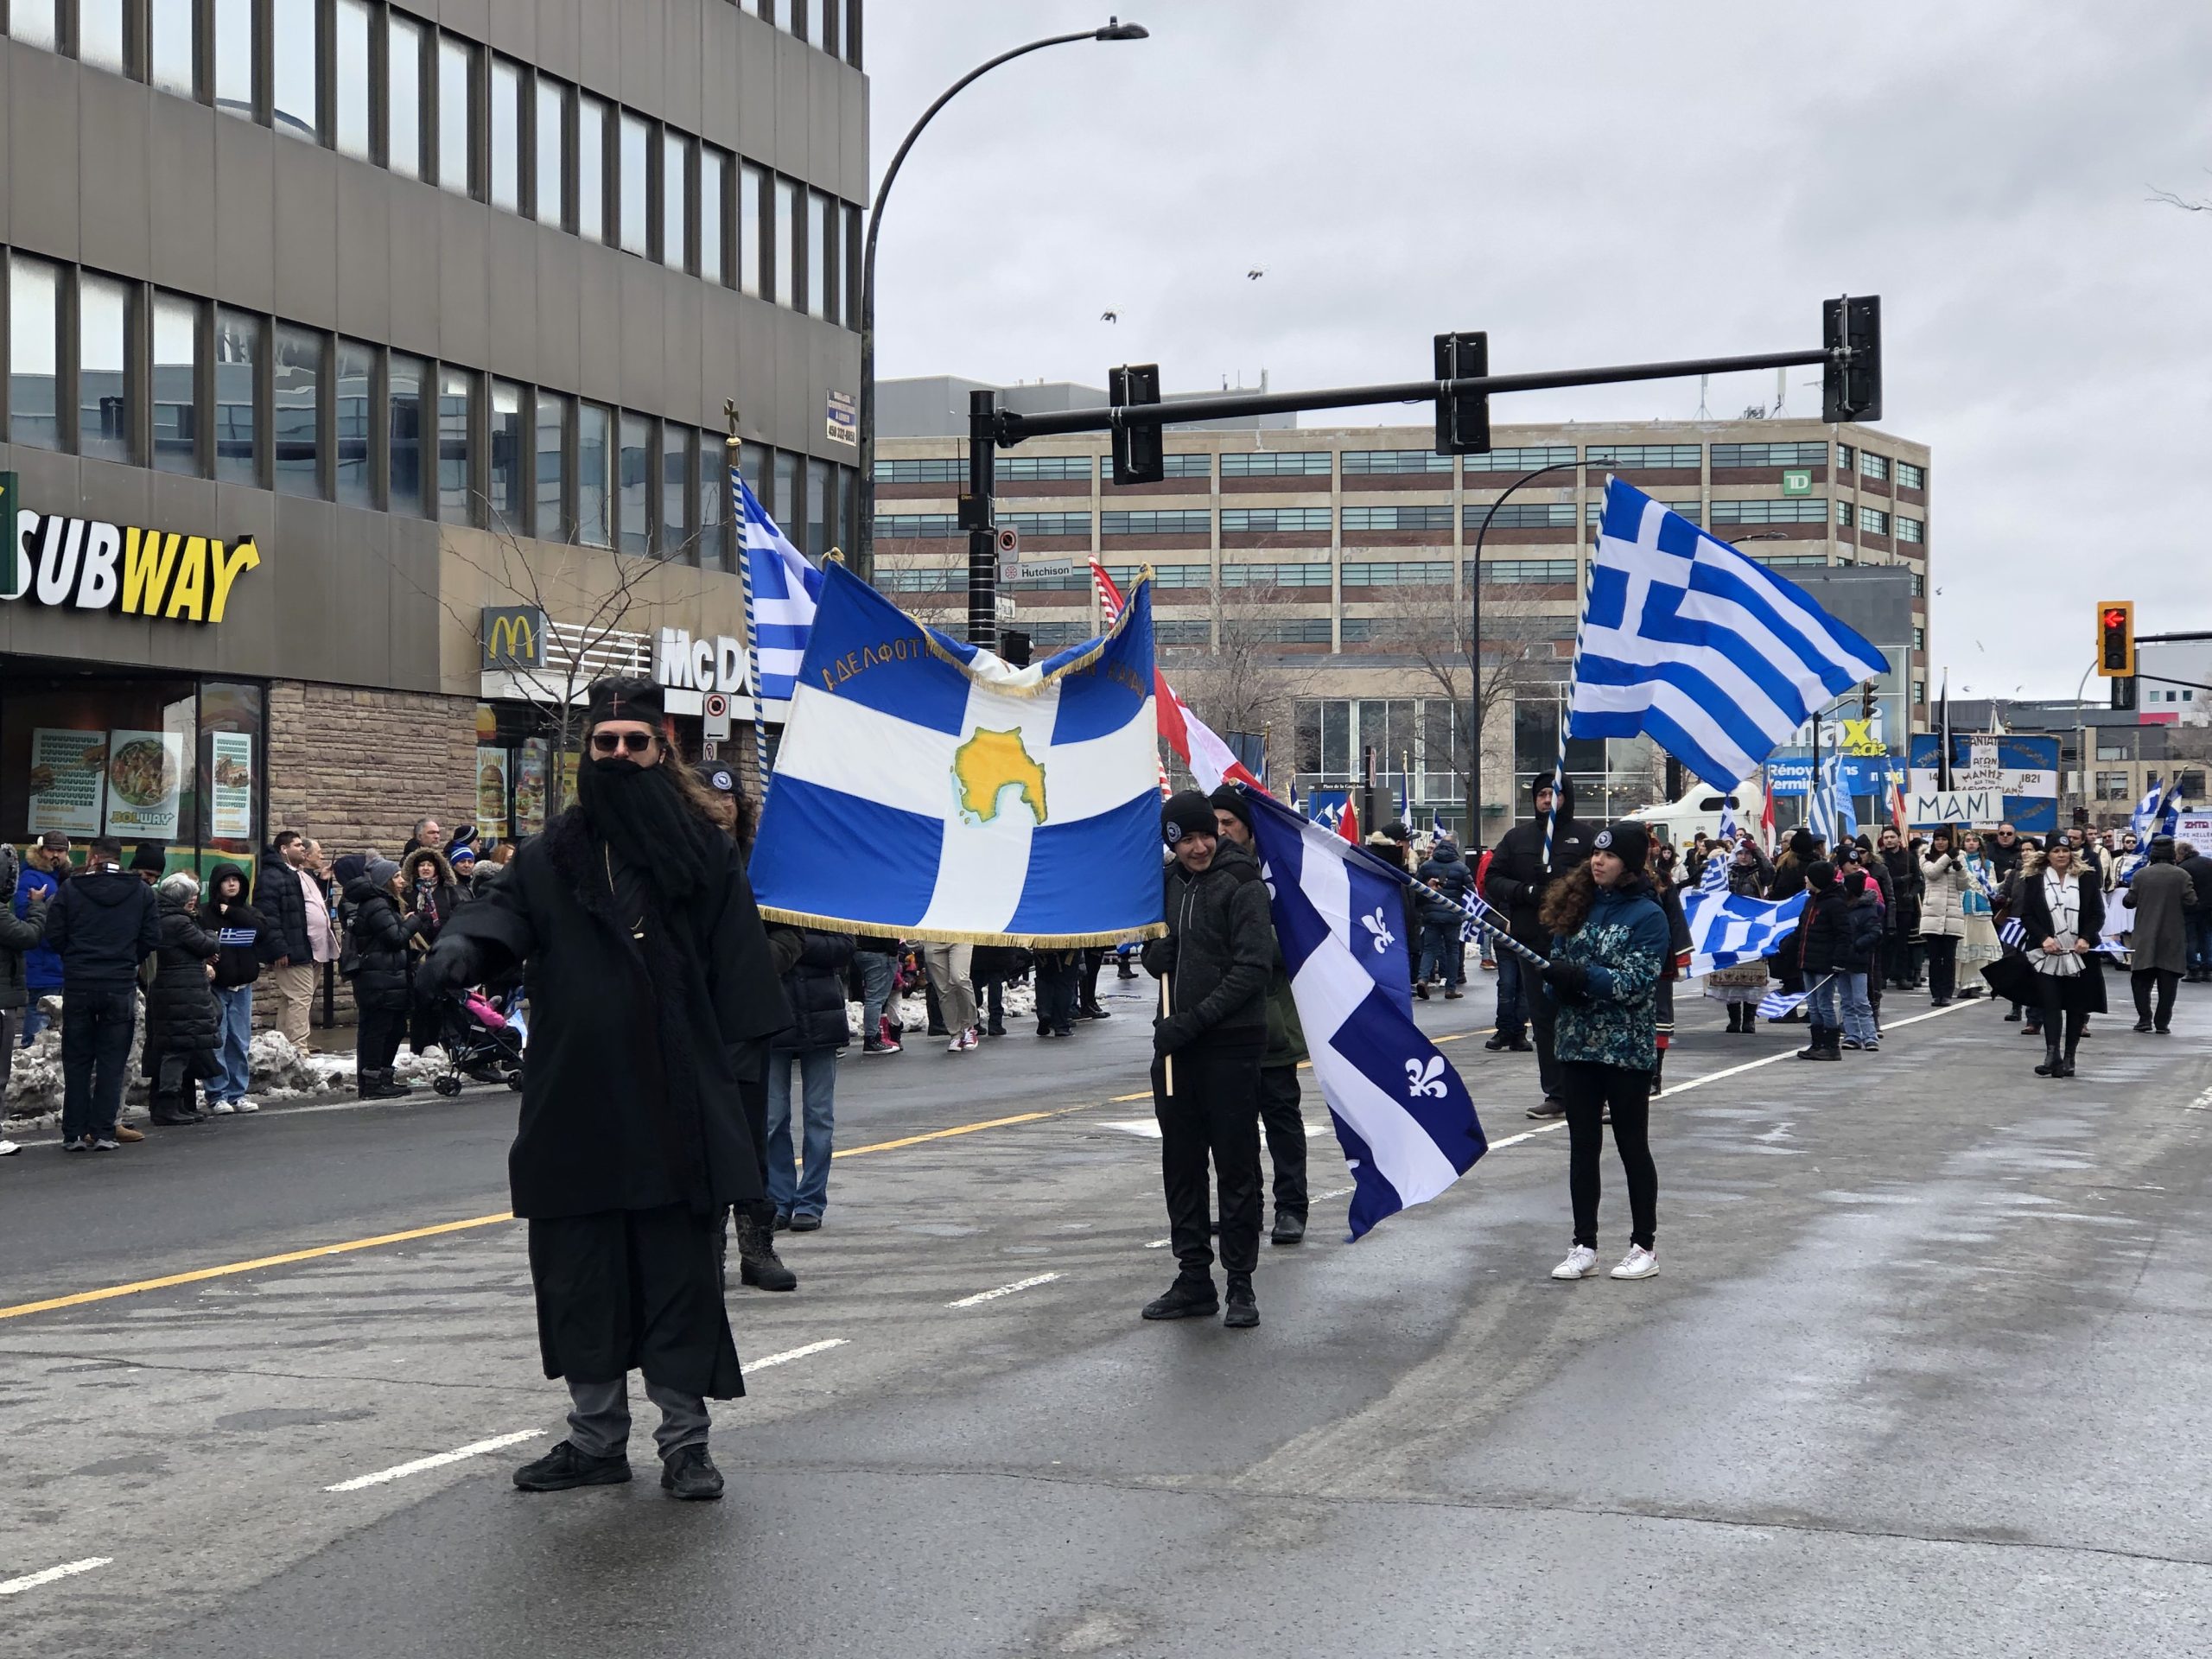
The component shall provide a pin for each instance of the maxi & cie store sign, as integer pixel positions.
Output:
(84, 564)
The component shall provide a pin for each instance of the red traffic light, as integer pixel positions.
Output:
(2116, 639)
(2115, 619)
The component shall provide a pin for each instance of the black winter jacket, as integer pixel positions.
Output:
(180, 1014)
(815, 987)
(2199, 870)
(1220, 946)
(284, 910)
(237, 927)
(379, 949)
(17, 935)
(1866, 926)
(1824, 935)
(1518, 873)
(1446, 869)
(102, 926)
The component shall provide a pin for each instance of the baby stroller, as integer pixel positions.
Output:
(481, 1038)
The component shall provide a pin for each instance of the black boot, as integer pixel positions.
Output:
(1243, 1309)
(2066, 1060)
(1288, 1228)
(1192, 1296)
(1659, 1071)
(1735, 1016)
(2054, 1063)
(389, 1087)
(758, 1264)
(1751, 1020)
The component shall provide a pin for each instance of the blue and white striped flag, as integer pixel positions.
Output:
(2142, 821)
(785, 590)
(1730, 928)
(1777, 1005)
(2014, 934)
(1709, 652)
(1833, 817)
(927, 790)
(1403, 1116)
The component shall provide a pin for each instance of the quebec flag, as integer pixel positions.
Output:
(926, 789)
(1403, 1116)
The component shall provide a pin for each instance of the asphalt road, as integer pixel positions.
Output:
(1924, 1372)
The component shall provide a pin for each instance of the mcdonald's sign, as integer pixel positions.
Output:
(513, 636)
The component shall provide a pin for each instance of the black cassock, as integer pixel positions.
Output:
(632, 1137)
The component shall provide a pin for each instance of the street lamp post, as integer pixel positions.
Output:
(1475, 654)
(1115, 30)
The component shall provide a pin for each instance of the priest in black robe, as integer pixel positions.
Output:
(650, 983)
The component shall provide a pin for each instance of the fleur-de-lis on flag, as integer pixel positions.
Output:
(1379, 929)
(1426, 1080)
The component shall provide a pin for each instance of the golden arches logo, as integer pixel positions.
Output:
(513, 638)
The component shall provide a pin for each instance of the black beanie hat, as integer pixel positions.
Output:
(1230, 798)
(1820, 874)
(1628, 840)
(1802, 845)
(1186, 812)
(151, 856)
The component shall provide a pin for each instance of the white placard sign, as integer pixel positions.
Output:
(1925, 808)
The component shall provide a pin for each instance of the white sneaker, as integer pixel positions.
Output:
(1581, 1261)
(1638, 1263)
(9, 1148)
(219, 1109)
(958, 1045)
(243, 1104)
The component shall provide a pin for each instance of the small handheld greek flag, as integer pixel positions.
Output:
(1777, 1005)
(2013, 935)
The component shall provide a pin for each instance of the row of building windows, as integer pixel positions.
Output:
(1753, 457)
(377, 84)
(116, 371)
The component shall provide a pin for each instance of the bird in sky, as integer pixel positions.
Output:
(1109, 316)
(1255, 273)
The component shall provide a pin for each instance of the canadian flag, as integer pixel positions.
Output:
(1196, 743)
(1766, 819)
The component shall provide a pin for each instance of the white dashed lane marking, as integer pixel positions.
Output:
(790, 1354)
(1004, 1290)
(67, 1569)
(399, 1471)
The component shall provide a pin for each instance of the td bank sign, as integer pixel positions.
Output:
(83, 565)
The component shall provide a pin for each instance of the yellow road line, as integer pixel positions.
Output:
(946, 1134)
(231, 1267)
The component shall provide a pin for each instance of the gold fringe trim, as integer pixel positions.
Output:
(1128, 606)
(945, 935)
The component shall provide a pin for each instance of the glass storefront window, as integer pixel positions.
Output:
(405, 402)
(232, 767)
(510, 502)
(356, 418)
(237, 365)
(594, 476)
(176, 383)
(456, 393)
(635, 477)
(34, 352)
(296, 414)
(103, 406)
(551, 524)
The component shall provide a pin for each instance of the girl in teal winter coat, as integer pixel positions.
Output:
(1610, 944)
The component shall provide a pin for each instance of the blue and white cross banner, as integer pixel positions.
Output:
(1730, 928)
(785, 591)
(1709, 653)
(926, 789)
(1402, 1115)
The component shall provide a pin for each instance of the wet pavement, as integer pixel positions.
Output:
(1923, 1372)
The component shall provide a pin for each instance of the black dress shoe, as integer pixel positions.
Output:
(2143, 1024)
(803, 1222)
(1288, 1229)
(1189, 1297)
(690, 1473)
(564, 1467)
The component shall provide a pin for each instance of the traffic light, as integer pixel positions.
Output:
(2123, 692)
(1850, 385)
(1462, 423)
(2116, 639)
(1139, 457)
(1013, 647)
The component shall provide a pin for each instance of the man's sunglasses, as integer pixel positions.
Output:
(619, 742)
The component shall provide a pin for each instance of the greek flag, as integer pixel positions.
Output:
(1730, 928)
(1402, 1115)
(2147, 812)
(1834, 816)
(1709, 652)
(1777, 1005)
(2014, 935)
(925, 789)
(783, 589)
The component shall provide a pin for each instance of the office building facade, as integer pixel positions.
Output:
(338, 330)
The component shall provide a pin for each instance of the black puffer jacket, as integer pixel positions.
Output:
(379, 949)
(1220, 946)
(17, 935)
(1824, 935)
(284, 908)
(815, 986)
(237, 927)
(1445, 869)
(181, 1015)
(1518, 873)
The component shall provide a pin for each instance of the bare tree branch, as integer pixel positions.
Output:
(1247, 682)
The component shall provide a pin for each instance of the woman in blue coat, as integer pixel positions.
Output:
(1609, 944)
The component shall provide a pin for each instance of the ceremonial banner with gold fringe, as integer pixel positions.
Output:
(925, 789)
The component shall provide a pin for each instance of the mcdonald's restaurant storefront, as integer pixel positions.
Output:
(318, 670)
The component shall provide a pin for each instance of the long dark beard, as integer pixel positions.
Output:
(642, 816)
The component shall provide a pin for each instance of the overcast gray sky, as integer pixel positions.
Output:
(1609, 182)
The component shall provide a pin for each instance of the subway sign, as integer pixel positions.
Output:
(85, 565)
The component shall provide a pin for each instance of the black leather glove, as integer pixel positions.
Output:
(1570, 981)
(452, 963)
(1173, 1033)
